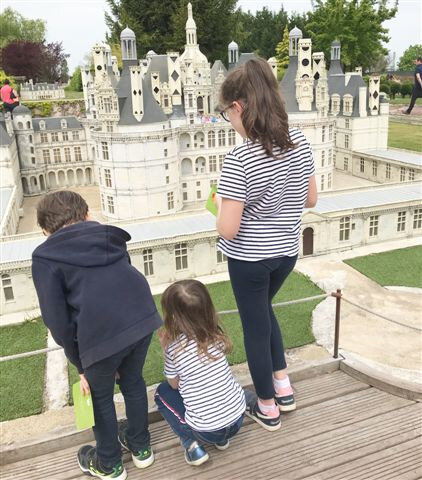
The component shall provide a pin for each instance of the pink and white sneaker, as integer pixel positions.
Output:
(285, 399)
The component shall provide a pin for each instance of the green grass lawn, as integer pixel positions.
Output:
(22, 380)
(396, 267)
(73, 95)
(404, 135)
(403, 101)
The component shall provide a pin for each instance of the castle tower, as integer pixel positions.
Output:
(137, 93)
(128, 44)
(304, 81)
(294, 36)
(374, 92)
(233, 53)
(100, 61)
(321, 90)
(32, 171)
(190, 28)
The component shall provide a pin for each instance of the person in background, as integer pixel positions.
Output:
(8, 96)
(417, 87)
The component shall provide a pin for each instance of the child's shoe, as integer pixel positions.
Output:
(252, 410)
(222, 445)
(90, 465)
(285, 399)
(195, 454)
(142, 459)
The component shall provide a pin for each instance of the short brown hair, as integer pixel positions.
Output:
(61, 208)
(188, 310)
(264, 116)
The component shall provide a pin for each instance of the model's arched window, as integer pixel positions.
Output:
(42, 125)
(20, 125)
(222, 138)
(63, 123)
(6, 282)
(211, 139)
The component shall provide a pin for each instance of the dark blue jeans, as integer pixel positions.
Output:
(255, 285)
(101, 378)
(170, 405)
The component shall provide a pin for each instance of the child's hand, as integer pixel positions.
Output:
(84, 385)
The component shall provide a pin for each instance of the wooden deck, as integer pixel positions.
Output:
(343, 429)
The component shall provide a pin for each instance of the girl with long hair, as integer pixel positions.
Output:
(264, 185)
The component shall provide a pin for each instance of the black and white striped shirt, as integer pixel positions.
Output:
(211, 396)
(274, 192)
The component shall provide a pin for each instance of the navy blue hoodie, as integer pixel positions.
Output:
(92, 300)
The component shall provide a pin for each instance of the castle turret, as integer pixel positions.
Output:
(335, 62)
(294, 36)
(304, 81)
(128, 44)
(190, 28)
(233, 53)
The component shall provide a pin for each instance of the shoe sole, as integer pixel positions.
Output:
(139, 463)
(200, 461)
(270, 428)
(122, 476)
(287, 408)
(143, 463)
(222, 447)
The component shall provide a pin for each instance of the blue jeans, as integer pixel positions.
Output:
(254, 286)
(170, 405)
(101, 377)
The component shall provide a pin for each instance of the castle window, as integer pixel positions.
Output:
(200, 165)
(75, 135)
(411, 174)
(213, 163)
(221, 138)
(329, 180)
(107, 177)
(198, 194)
(323, 134)
(165, 152)
(55, 136)
(221, 258)
(42, 125)
(374, 168)
(211, 139)
(417, 218)
(185, 196)
(44, 137)
(104, 146)
(20, 125)
(181, 256)
(6, 282)
(346, 141)
(110, 204)
(347, 123)
(148, 263)
(170, 200)
(67, 155)
(322, 183)
(402, 174)
(335, 104)
(232, 137)
(63, 123)
(344, 228)
(46, 156)
(330, 132)
(401, 221)
(65, 136)
(362, 165)
(56, 154)
(78, 155)
(167, 180)
(107, 105)
(213, 183)
(323, 158)
(220, 162)
(388, 171)
(373, 225)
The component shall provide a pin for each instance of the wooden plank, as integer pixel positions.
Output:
(309, 392)
(403, 461)
(253, 450)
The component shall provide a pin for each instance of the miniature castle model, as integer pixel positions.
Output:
(154, 143)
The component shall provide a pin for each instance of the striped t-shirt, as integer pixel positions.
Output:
(274, 191)
(211, 396)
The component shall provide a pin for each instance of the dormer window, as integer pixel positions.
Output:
(42, 125)
(335, 104)
(63, 123)
(347, 104)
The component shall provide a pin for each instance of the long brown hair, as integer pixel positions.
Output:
(264, 117)
(188, 310)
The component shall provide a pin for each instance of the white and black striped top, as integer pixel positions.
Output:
(211, 396)
(274, 192)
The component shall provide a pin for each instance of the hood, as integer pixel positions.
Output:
(85, 244)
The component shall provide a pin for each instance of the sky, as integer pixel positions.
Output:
(79, 24)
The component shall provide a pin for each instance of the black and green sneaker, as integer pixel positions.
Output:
(90, 465)
(142, 458)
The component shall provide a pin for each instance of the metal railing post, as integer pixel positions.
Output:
(337, 296)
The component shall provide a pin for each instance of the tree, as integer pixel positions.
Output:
(406, 89)
(14, 27)
(394, 89)
(39, 61)
(76, 81)
(282, 50)
(406, 61)
(12, 80)
(357, 25)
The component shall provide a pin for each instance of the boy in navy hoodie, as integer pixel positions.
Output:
(100, 310)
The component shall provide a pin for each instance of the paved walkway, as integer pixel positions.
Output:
(377, 342)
